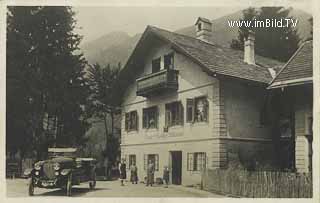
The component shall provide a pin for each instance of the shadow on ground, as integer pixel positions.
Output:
(76, 192)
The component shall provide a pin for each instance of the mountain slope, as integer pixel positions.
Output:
(117, 46)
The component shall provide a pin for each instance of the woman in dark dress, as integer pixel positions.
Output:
(122, 171)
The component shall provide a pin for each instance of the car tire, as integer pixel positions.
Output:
(30, 187)
(69, 185)
(92, 183)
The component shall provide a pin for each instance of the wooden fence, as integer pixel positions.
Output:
(260, 184)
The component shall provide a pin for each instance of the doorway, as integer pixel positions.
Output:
(176, 163)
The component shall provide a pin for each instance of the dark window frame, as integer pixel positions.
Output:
(174, 114)
(131, 158)
(192, 112)
(156, 65)
(169, 61)
(147, 157)
(146, 118)
(130, 124)
(196, 161)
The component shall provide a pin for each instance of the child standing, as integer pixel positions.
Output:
(166, 173)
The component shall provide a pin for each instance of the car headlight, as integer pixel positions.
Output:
(37, 166)
(56, 166)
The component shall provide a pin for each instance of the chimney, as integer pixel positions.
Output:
(203, 29)
(249, 48)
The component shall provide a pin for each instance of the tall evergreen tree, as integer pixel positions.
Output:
(275, 42)
(45, 76)
(105, 99)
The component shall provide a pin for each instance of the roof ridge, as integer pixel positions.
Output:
(199, 40)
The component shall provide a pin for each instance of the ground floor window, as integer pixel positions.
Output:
(154, 159)
(196, 161)
(132, 159)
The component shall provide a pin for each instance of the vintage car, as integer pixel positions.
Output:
(61, 170)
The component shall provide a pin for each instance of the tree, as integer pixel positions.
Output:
(105, 99)
(248, 15)
(275, 42)
(46, 89)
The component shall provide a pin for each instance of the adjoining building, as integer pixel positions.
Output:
(191, 104)
(292, 100)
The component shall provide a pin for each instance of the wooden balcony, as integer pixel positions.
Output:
(157, 83)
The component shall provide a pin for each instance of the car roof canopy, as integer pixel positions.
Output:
(67, 152)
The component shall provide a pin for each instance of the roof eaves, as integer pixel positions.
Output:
(291, 58)
(294, 82)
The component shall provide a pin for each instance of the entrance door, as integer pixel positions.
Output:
(176, 163)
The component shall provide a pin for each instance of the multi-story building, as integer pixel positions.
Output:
(192, 104)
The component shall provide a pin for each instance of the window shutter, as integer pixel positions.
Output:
(135, 121)
(190, 161)
(127, 161)
(206, 109)
(168, 118)
(144, 119)
(145, 161)
(157, 116)
(190, 110)
(156, 157)
(181, 114)
(126, 117)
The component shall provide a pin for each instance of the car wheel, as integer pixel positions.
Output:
(92, 183)
(69, 185)
(30, 187)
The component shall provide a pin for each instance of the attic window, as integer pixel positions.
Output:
(156, 65)
(199, 26)
(168, 61)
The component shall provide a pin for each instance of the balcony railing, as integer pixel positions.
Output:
(156, 83)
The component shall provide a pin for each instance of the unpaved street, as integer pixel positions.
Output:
(18, 188)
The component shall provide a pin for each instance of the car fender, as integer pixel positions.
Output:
(65, 172)
(28, 172)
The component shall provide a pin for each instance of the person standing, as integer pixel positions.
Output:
(166, 173)
(150, 173)
(122, 171)
(134, 174)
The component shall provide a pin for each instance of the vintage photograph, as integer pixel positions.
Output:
(203, 102)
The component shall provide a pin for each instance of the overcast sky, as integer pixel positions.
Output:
(97, 21)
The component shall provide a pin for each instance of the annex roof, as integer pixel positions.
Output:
(298, 70)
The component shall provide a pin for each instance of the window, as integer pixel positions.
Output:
(199, 26)
(150, 117)
(154, 159)
(168, 61)
(156, 65)
(132, 159)
(197, 109)
(174, 114)
(308, 123)
(196, 161)
(131, 121)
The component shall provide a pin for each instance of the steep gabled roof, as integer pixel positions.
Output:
(214, 59)
(203, 19)
(298, 70)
